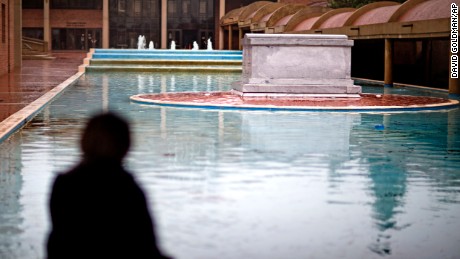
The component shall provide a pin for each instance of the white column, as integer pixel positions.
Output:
(164, 23)
(46, 23)
(221, 31)
(105, 24)
(18, 33)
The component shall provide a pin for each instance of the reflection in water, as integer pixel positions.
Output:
(105, 93)
(405, 148)
(11, 182)
(252, 184)
(389, 188)
(173, 83)
(264, 132)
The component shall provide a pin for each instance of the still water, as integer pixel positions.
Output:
(251, 184)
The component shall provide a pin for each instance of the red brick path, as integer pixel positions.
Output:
(35, 78)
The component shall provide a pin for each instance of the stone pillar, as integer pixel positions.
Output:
(17, 33)
(388, 78)
(164, 24)
(296, 65)
(105, 24)
(240, 39)
(230, 37)
(46, 23)
(221, 31)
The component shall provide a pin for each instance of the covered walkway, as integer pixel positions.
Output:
(405, 43)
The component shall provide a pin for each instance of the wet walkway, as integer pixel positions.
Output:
(35, 78)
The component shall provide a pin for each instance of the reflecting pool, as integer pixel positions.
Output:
(251, 184)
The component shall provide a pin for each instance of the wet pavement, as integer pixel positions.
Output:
(35, 78)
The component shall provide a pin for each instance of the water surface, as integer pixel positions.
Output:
(251, 184)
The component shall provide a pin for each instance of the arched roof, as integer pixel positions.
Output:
(334, 18)
(378, 15)
(260, 13)
(284, 20)
(250, 10)
(302, 15)
(378, 12)
(266, 17)
(232, 16)
(306, 24)
(242, 13)
(427, 10)
(282, 12)
(354, 22)
(336, 21)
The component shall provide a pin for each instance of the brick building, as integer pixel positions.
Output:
(10, 20)
(82, 24)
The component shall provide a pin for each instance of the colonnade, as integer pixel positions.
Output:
(105, 23)
(454, 84)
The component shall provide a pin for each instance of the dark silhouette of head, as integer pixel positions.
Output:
(106, 137)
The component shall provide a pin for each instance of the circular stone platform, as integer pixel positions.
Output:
(227, 100)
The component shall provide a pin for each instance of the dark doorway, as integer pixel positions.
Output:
(189, 37)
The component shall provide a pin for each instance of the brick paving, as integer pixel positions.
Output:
(35, 78)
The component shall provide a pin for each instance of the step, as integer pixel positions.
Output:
(167, 56)
(165, 68)
(130, 62)
(168, 51)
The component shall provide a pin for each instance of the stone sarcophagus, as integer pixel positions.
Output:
(296, 65)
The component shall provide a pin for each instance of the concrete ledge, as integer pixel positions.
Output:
(310, 88)
(292, 96)
(298, 40)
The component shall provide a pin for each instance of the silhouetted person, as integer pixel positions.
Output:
(97, 209)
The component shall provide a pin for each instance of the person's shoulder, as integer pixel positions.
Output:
(70, 175)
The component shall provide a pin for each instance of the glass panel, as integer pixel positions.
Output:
(194, 21)
(129, 19)
(137, 8)
(36, 33)
(172, 7)
(76, 4)
(202, 7)
(121, 6)
(32, 4)
(186, 7)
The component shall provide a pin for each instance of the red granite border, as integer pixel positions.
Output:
(227, 99)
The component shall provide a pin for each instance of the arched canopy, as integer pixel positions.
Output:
(260, 13)
(270, 19)
(378, 12)
(427, 10)
(414, 18)
(302, 15)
